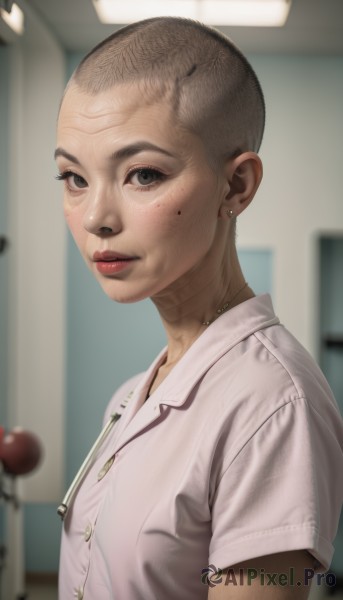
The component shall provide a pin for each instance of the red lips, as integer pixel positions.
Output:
(111, 263)
(109, 256)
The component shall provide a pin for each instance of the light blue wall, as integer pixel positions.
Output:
(42, 530)
(258, 268)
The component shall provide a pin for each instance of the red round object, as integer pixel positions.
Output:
(20, 451)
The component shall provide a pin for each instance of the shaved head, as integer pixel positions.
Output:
(211, 87)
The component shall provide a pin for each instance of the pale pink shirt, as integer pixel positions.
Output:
(237, 454)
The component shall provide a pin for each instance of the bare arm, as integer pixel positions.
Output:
(272, 577)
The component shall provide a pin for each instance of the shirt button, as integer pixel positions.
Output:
(79, 593)
(105, 468)
(88, 532)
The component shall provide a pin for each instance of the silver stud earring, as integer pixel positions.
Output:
(229, 213)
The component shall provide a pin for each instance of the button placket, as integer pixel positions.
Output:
(88, 533)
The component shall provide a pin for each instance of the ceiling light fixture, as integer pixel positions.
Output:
(14, 19)
(242, 13)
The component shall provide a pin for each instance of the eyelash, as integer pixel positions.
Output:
(62, 176)
(159, 176)
(65, 176)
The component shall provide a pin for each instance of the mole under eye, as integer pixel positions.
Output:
(73, 180)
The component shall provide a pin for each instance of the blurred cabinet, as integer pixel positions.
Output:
(331, 312)
(331, 338)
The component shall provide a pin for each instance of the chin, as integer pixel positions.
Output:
(122, 292)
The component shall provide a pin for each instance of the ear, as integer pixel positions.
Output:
(243, 175)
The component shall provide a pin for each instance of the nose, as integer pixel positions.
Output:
(102, 214)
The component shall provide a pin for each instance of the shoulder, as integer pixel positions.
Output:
(269, 382)
(272, 367)
(294, 367)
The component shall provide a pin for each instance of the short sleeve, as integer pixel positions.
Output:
(281, 492)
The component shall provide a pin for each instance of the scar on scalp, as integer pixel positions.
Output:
(191, 71)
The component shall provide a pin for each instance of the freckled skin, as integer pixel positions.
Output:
(170, 253)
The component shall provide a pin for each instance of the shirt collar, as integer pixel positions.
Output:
(223, 334)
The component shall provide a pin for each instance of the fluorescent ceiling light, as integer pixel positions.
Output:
(117, 11)
(244, 13)
(14, 19)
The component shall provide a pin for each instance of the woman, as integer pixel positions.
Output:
(226, 454)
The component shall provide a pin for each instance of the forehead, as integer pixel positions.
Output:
(118, 106)
(121, 115)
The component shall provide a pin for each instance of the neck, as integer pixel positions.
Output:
(188, 308)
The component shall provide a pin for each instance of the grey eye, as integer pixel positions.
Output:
(73, 180)
(77, 181)
(145, 177)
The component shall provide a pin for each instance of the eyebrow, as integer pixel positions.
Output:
(125, 152)
(137, 147)
(67, 155)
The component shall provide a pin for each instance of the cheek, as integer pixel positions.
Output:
(185, 218)
(74, 221)
(161, 223)
(194, 221)
(152, 218)
(193, 209)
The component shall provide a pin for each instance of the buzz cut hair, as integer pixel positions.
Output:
(212, 89)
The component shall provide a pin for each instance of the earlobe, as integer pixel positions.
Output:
(244, 175)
